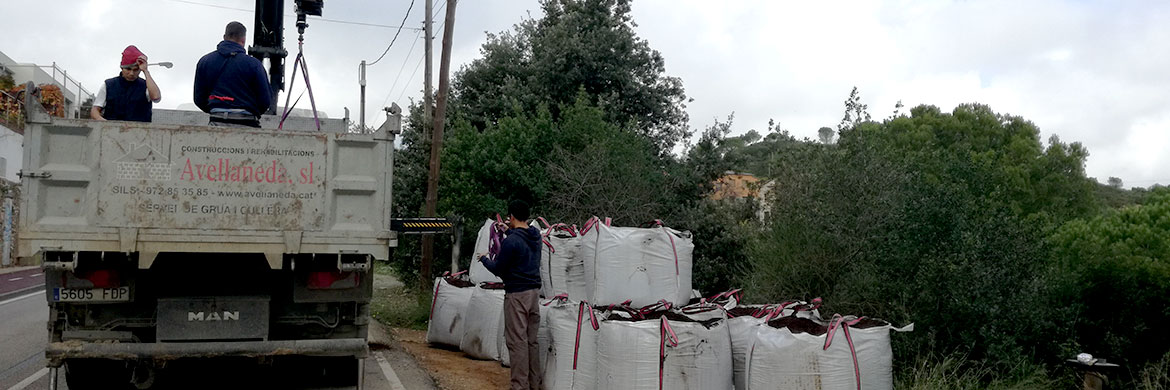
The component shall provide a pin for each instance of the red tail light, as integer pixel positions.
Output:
(101, 278)
(333, 280)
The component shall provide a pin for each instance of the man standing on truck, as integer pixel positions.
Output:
(231, 85)
(127, 97)
(518, 264)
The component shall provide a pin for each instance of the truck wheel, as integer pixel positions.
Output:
(342, 371)
(82, 374)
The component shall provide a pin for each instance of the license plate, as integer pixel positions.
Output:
(119, 294)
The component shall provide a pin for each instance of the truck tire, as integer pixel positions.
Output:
(83, 374)
(342, 371)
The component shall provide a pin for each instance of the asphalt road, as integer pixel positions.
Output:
(24, 312)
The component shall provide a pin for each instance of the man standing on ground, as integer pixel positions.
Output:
(127, 97)
(518, 264)
(231, 85)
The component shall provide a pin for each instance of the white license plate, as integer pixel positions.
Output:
(119, 294)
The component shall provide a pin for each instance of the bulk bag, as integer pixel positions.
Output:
(448, 310)
(847, 353)
(642, 265)
(562, 270)
(484, 319)
(743, 322)
(571, 362)
(666, 350)
(479, 273)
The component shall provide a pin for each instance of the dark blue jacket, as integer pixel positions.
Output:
(126, 100)
(518, 263)
(229, 78)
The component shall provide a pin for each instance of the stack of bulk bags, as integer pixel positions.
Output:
(571, 363)
(562, 270)
(665, 350)
(642, 265)
(846, 353)
(482, 329)
(449, 310)
(479, 273)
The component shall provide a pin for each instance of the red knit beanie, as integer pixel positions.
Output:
(130, 55)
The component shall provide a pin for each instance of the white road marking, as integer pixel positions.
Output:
(35, 275)
(14, 279)
(28, 381)
(388, 372)
(22, 297)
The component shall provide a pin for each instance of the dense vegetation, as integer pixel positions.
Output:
(995, 243)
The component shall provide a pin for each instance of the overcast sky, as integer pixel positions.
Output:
(1095, 72)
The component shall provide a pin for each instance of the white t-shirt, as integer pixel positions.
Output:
(100, 99)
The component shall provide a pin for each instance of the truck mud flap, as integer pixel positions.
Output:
(75, 349)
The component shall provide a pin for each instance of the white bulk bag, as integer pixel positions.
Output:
(482, 327)
(562, 270)
(566, 320)
(781, 358)
(643, 265)
(479, 273)
(695, 356)
(448, 312)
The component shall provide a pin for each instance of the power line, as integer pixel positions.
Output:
(290, 15)
(404, 17)
(400, 69)
(407, 85)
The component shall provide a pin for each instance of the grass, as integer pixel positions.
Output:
(955, 372)
(400, 306)
(1155, 376)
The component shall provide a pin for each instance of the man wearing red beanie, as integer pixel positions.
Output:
(127, 97)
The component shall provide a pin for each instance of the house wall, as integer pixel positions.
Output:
(12, 151)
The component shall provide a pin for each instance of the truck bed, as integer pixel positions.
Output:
(149, 188)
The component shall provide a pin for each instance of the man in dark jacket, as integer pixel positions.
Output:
(518, 264)
(127, 97)
(231, 85)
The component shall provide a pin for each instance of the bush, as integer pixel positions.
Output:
(1111, 274)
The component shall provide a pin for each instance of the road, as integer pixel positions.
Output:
(23, 314)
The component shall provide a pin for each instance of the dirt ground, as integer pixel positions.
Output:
(452, 369)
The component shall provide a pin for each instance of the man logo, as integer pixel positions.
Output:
(213, 316)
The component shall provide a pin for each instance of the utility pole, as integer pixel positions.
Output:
(362, 82)
(429, 35)
(428, 249)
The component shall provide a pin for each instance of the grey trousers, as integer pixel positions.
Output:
(521, 323)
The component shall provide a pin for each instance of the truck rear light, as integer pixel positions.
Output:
(328, 280)
(100, 278)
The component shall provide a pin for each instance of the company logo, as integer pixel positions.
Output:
(213, 316)
(144, 162)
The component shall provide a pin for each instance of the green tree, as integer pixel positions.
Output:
(1111, 275)
(579, 45)
(856, 112)
(825, 135)
(1115, 182)
(934, 218)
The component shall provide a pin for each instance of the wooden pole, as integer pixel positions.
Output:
(432, 200)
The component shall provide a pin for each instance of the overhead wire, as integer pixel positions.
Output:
(392, 40)
(291, 15)
(406, 86)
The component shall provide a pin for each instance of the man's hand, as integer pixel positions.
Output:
(141, 62)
